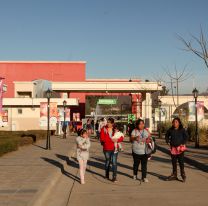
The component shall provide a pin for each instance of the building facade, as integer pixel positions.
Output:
(69, 82)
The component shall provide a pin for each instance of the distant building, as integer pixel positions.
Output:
(24, 80)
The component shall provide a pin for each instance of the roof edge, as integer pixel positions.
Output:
(39, 62)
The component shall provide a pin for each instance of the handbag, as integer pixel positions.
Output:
(149, 148)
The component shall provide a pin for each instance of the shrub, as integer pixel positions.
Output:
(8, 145)
(203, 131)
(164, 126)
(10, 141)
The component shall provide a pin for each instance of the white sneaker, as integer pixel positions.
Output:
(134, 177)
(145, 180)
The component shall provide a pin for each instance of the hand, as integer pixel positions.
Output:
(148, 140)
(114, 140)
(137, 138)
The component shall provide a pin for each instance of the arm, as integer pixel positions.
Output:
(79, 143)
(167, 137)
(87, 144)
(102, 135)
(133, 136)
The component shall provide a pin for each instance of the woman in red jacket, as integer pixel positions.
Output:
(106, 135)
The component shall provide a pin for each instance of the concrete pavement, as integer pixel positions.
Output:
(99, 191)
(27, 175)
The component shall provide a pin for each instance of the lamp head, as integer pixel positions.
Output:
(48, 93)
(195, 93)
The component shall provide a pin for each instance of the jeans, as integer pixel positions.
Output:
(110, 157)
(180, 159)
(97, 134)
(137, 159)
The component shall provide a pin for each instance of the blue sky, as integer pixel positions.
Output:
(117, 38)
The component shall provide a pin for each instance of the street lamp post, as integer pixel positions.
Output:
(195, 93)
(159, 106)
(64, 124)
(48, 140)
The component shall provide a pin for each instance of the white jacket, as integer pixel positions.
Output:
(83, 146)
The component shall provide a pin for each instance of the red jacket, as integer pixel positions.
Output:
(105, 139)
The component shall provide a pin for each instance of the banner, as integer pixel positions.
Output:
(44, 114)
(200, 111)
(160, 114)
(76, 117)
(4, 118)
(61, 114)
(1, 94)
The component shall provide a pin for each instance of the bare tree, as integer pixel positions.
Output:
(175, 79)
(200, 49)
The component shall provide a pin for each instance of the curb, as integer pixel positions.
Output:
(188, 160)
(45, 190)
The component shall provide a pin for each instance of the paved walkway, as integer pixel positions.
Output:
(25, 174)
(99, 191)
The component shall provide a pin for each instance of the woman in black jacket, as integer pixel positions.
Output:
(177, 137)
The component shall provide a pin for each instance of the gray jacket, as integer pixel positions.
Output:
(83, 146)
(138, 146)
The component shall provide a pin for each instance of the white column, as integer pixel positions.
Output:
(148, 115)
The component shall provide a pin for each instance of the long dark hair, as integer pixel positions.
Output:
(111, 120)
(138, 122)
(179, 121)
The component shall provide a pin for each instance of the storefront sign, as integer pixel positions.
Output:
(107, 101)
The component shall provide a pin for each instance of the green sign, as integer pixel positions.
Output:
(107, 101)
(131, 117)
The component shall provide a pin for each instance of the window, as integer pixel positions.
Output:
(19, 111)
(24, 94)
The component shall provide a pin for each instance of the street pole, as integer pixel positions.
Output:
(48, 144)
(196, 126)
(195, 94)
(159, 106)
(48, 140)
(64, 125)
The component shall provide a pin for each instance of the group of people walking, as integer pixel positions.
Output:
(143, 146)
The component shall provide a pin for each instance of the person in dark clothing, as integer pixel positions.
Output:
(97, 129)
(130, 127)
(177, 137)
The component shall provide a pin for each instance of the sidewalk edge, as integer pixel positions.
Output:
(41, 196)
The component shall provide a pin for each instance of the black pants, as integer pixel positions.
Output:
(180, 159)
(137, 159)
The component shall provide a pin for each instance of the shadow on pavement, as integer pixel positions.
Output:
(160, 159)
(159, 176)
(59, 165)
(162, 177)
(39, 146)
